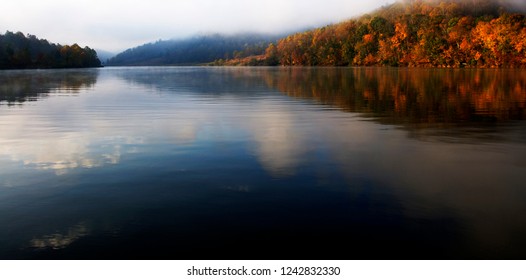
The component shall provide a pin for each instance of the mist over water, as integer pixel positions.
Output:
(230, 163)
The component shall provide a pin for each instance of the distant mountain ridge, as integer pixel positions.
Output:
(195, 50)
(104, 55)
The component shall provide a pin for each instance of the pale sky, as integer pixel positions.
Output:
(116, 25)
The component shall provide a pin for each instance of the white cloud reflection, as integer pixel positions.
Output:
(56, 150)
(278, 146)
(58, 241)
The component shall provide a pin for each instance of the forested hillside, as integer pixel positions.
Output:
(448, 33)
(20, 52)
(196, 50)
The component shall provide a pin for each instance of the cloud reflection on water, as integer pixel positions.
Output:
(278, 146)
(57, 241)
(475, 177)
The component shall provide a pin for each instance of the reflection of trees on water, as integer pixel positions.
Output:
(411, 95)
(22, 86)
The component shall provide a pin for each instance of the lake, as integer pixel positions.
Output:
(263, 163)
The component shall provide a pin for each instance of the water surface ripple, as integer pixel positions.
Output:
(262, 163)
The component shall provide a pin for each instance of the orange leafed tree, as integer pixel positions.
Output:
(448, 33)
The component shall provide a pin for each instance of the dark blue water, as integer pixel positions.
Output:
(262, 163)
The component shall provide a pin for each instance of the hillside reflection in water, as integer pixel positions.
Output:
(190, 162)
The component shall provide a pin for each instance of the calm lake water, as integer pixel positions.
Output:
(262, 163)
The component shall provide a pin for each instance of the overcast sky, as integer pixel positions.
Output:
(116, 25)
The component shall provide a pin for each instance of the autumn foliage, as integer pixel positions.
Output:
(411, 96)
(477, 33)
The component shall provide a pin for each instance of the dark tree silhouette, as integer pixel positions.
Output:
(18, 51)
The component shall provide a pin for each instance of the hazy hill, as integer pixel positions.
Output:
(447, 33)
(104, 55)
(196, 50)
(20, 52)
